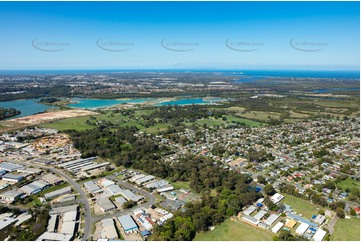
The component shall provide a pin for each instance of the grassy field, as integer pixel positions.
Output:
(247, 122)
(180, 184)
(349, 183)
(347, 230)
(69, 123)
(235, 230)
(300, 205)
(259, 115)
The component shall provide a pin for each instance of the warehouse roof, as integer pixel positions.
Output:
(10, 167)
(54, 237)
(120, 200)
(127, 222)
(92, 187)
(114, 189)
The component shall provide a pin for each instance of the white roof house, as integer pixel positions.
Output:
(320, 219)
(260, 215)
(302, 228)
(319, 235)
(276, 198)
(249, 210)
(271, 219)
(250, 219)
(277, 227)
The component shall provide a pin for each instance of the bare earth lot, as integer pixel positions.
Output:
(45, 117)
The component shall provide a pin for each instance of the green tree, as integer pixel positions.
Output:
(269, 190)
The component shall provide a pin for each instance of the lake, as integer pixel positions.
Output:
(26, 106)
(31, 106)
(102, 103)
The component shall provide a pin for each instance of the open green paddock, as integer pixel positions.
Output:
(235, 230)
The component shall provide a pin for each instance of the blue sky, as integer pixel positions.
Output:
(127, 35)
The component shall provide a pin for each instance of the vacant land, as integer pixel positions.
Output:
(347, 230)
(350, 184)
(235, 230)
(301, 206)
(49, 116)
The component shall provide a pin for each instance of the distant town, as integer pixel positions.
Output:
(131, 171)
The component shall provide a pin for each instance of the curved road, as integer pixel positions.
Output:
(84, 199)
(89, 219)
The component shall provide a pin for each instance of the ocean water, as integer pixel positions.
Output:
(25, 106)
(335, 89)
(352, 74)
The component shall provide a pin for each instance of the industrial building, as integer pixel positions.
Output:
(57, 193)
(136, 177)
(114, 189)
(120, 200)
(143, 219)
(48, 236)
(165, 189)
(11, 196)
(68, 227)
(9, 167)
(143, 180)
(53, 223)
(12, 177)
(95, 166)
(92, 187)
(43, 161)
(105, 182)
(7, 221)
(128, 224)
(52, 179)
(76, 165)
(108, 229)
(129, 195)
(70, 216)
(34, 187)
(105, 204)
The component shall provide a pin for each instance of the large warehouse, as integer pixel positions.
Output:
(128, 224)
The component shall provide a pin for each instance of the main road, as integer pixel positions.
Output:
(83, 197)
